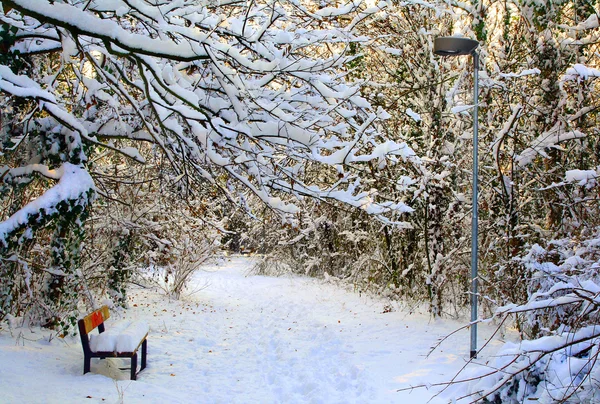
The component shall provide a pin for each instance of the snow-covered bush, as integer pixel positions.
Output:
(175, 242)
(335, 243)
(188, 256)
(551, 369)
(145, 230)
(559, 360)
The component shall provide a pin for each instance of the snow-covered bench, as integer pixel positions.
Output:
(121, 341)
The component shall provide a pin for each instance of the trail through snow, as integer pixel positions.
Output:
(242, 338)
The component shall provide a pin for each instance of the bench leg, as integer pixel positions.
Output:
(144, 350)
(133, 366)
(86, 364)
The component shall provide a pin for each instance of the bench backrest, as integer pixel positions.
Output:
(94, 319)
(88, 323)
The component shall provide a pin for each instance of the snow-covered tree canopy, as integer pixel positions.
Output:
(250, 89)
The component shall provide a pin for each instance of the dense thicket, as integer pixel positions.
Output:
(539, 145)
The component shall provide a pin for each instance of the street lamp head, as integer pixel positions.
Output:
(454, 46)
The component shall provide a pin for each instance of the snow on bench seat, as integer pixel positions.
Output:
(123, 336)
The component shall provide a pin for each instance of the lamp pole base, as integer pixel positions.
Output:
(473, 354)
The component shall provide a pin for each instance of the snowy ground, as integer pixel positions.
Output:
(246, 339)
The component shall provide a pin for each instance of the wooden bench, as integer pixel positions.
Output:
(122, 341)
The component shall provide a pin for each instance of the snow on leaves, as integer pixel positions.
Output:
(75, 188)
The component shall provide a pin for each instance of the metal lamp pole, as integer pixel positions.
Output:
(458, 46)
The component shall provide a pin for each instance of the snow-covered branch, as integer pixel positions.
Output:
(228, 91)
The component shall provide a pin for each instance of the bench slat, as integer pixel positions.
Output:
(96, 318)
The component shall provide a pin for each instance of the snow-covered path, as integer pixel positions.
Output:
(246, 339)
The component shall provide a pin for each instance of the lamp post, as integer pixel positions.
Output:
(457, 46)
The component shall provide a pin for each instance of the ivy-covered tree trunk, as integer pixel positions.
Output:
(118, 275)
(58, 215)
(64, 285)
